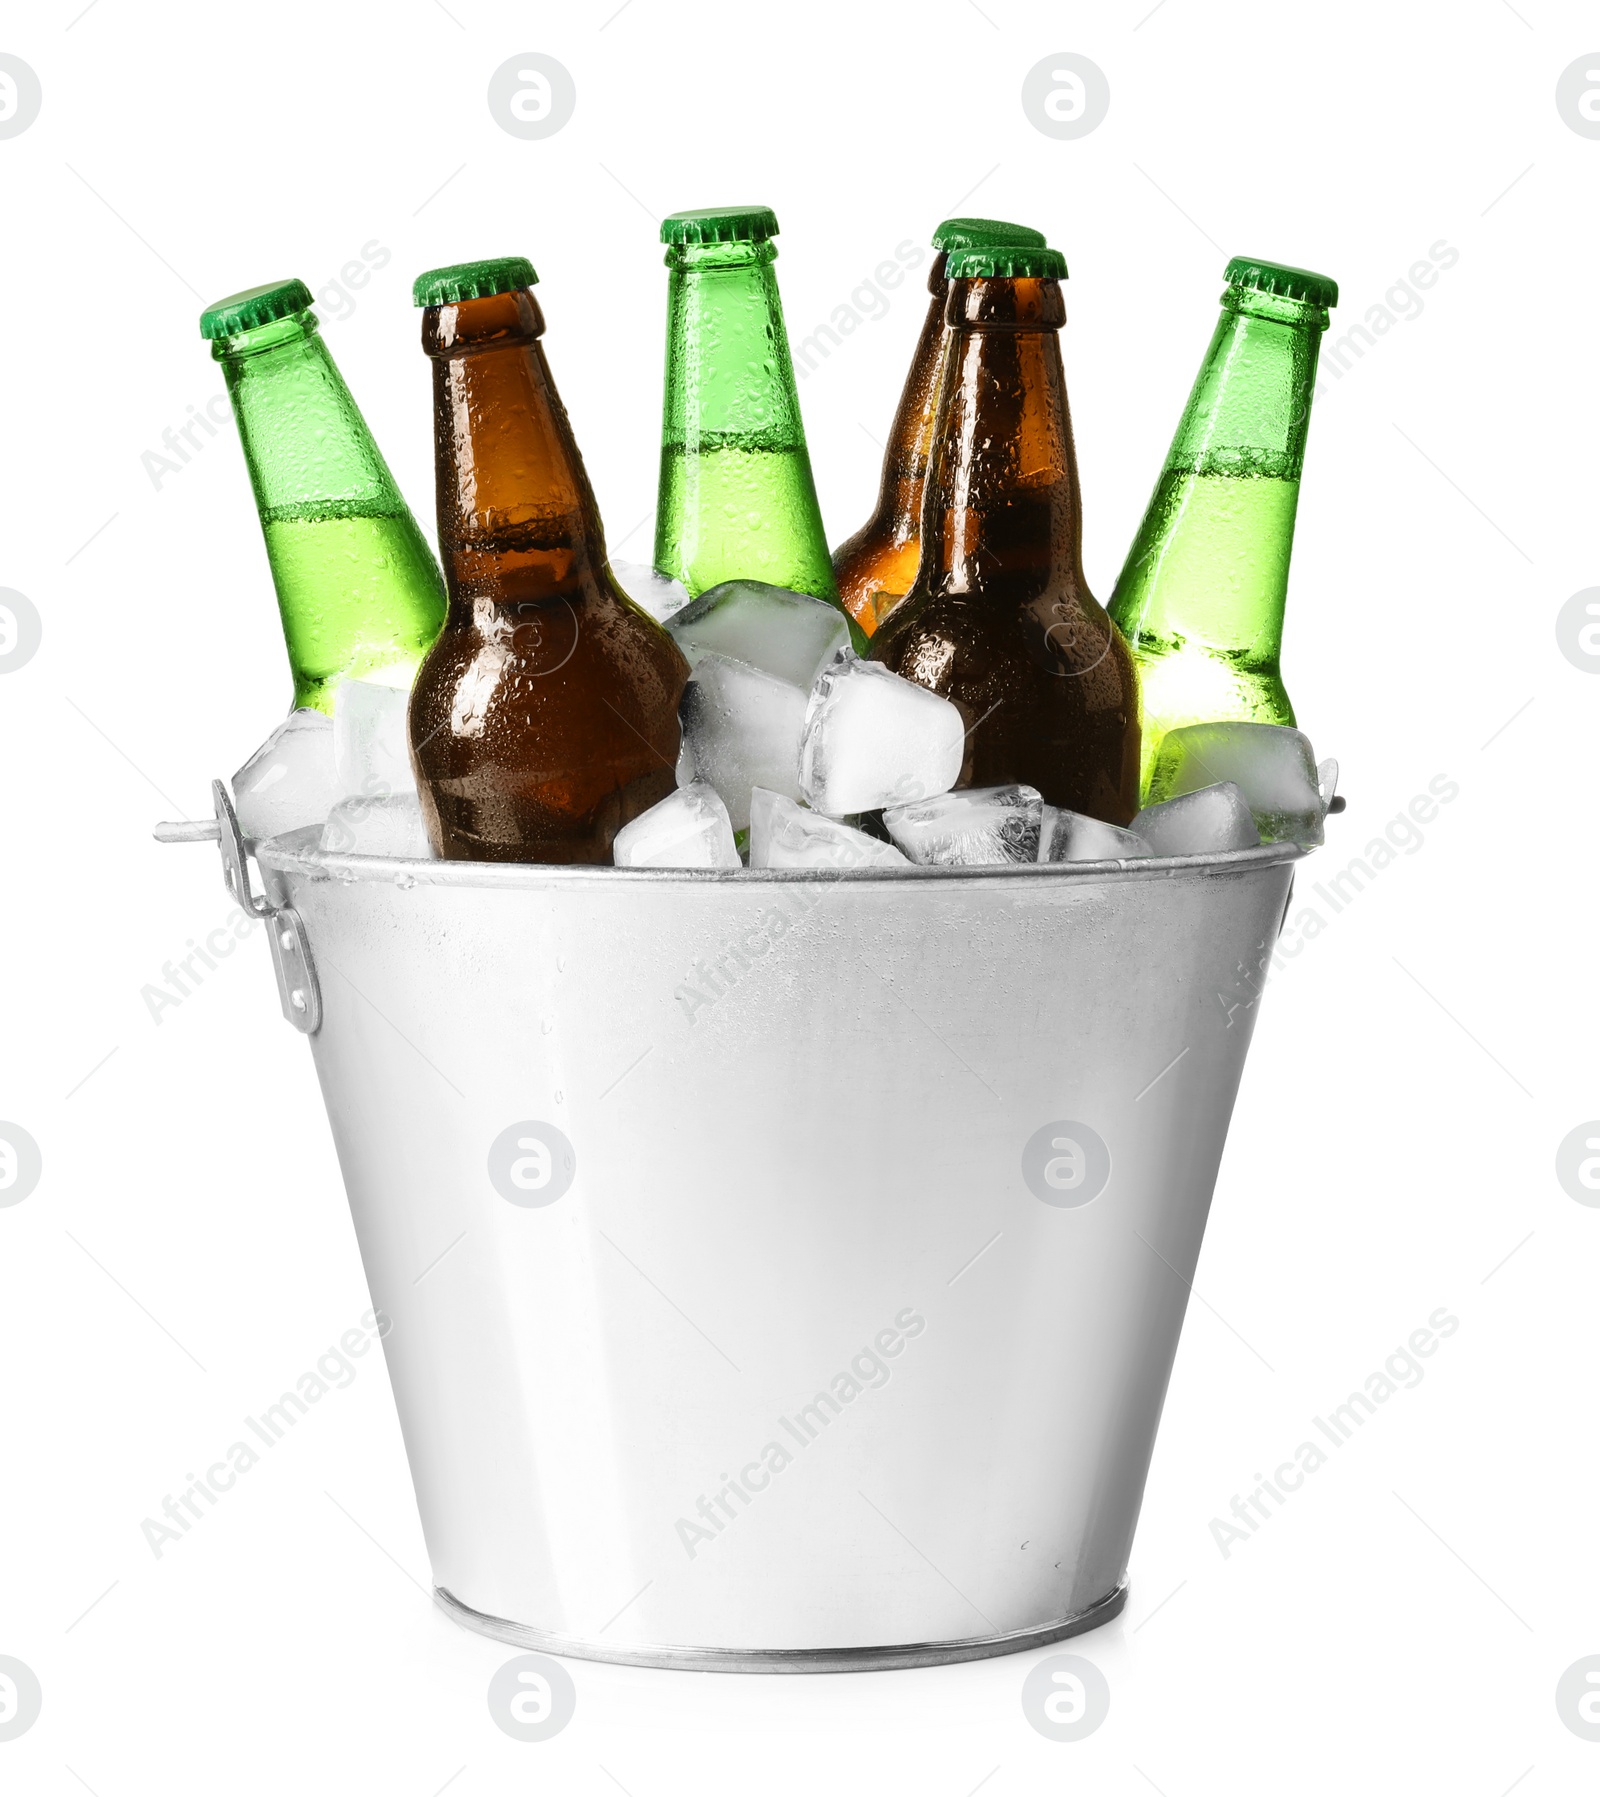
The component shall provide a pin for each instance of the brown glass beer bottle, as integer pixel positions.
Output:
(1000, 619)
(875, 567)
(545, 716)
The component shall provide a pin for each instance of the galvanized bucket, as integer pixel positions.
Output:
(785, 1270)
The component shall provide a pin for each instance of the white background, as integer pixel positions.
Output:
(1404, 1618)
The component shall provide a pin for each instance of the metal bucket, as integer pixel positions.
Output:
(785, 1270)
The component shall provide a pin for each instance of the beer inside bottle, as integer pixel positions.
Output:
(875, 567)
(1201, 595)
(736, 498)
(545, 716)
(359, 591)
(1000, 619)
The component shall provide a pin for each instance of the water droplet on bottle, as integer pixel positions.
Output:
(546, 1027)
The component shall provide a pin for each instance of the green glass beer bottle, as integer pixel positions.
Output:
(1201, 596)
(875, 567)
(359, 591)
(736, 497)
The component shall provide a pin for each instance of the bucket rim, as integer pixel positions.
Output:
(297, 852)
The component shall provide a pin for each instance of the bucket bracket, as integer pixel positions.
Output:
(298, 991)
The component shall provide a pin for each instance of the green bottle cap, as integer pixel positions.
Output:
(966, 233)
(720, 224)
(472, 280)
(1282, 280)
(255, 306)
(1010, 261)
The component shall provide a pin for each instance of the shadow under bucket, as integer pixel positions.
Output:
(785, 1270)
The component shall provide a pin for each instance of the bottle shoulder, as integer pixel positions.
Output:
(991, 612)
(962, 640)
(883, 550)
(584, 628)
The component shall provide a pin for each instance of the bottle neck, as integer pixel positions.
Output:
(1002, 499)
(517, 517)
(1250, 407)
(729, 378)
(306, 445)
(911, 434)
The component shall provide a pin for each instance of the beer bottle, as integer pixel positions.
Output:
(999, 618)
(875, 567)
(545, 717)
(736, 498)
(1201, 595)
(358, 587)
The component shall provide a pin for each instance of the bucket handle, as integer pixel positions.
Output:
(299, 992)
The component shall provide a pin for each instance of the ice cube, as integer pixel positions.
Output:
(1272, 766)
(289, 781)
(383, 824)
(650, 591)
(741, 729)
(683, 771)
(873, 740)
(981, 827)
(784, 834)
(689, 829)
(788, 635)
(1199, 823)
(1328, 783)
(371, 750)
(1070, 836)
